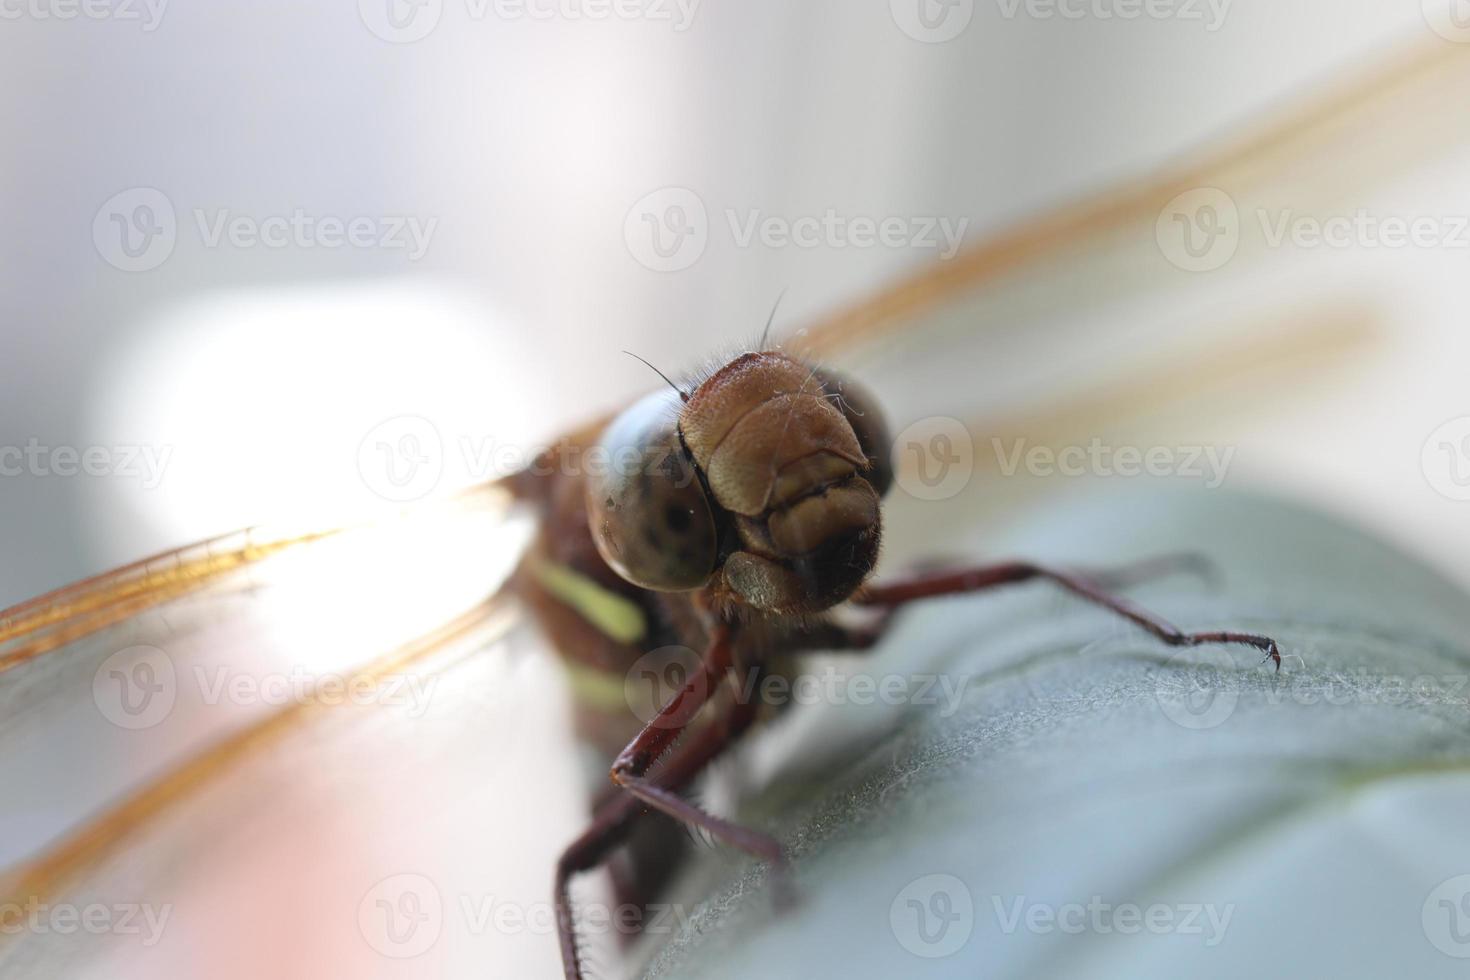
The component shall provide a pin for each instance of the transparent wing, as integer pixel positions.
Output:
(126, 698)
(1097, 309)
(1283, 315)
(309, 754)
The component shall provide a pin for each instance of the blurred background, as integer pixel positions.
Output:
(242, 238)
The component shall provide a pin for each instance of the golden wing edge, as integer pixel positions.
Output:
(1336, 106)
(61, 865)
(51, 621)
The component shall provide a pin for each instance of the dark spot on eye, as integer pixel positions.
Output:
(677, 518)
(685, 556)
(651, 537)
(610, 504)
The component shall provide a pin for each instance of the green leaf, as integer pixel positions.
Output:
(1099, 805)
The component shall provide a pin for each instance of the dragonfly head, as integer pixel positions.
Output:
(764, 486)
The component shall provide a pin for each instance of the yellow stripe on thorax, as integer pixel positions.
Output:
(617, 617)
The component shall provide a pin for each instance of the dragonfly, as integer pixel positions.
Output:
(262, 709)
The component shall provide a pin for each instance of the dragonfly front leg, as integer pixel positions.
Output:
(936, 584)
(849, 639)
(630, 770)
(613, 821)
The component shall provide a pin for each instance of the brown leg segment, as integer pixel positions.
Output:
(835, 638)
(630, 769)
(612, 822)
(931, 586)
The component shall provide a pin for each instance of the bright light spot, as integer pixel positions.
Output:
(313, 405)
(334, 605)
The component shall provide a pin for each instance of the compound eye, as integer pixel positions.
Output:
(860, 408)
(647, 507)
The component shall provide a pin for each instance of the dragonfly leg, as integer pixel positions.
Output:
(846, 639)
(1093, 588)
(630, 769)
(613, 821)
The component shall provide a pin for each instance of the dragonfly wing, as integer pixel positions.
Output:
(1095, 310)
(1093, 325)
(145, 743)
(345, 838)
